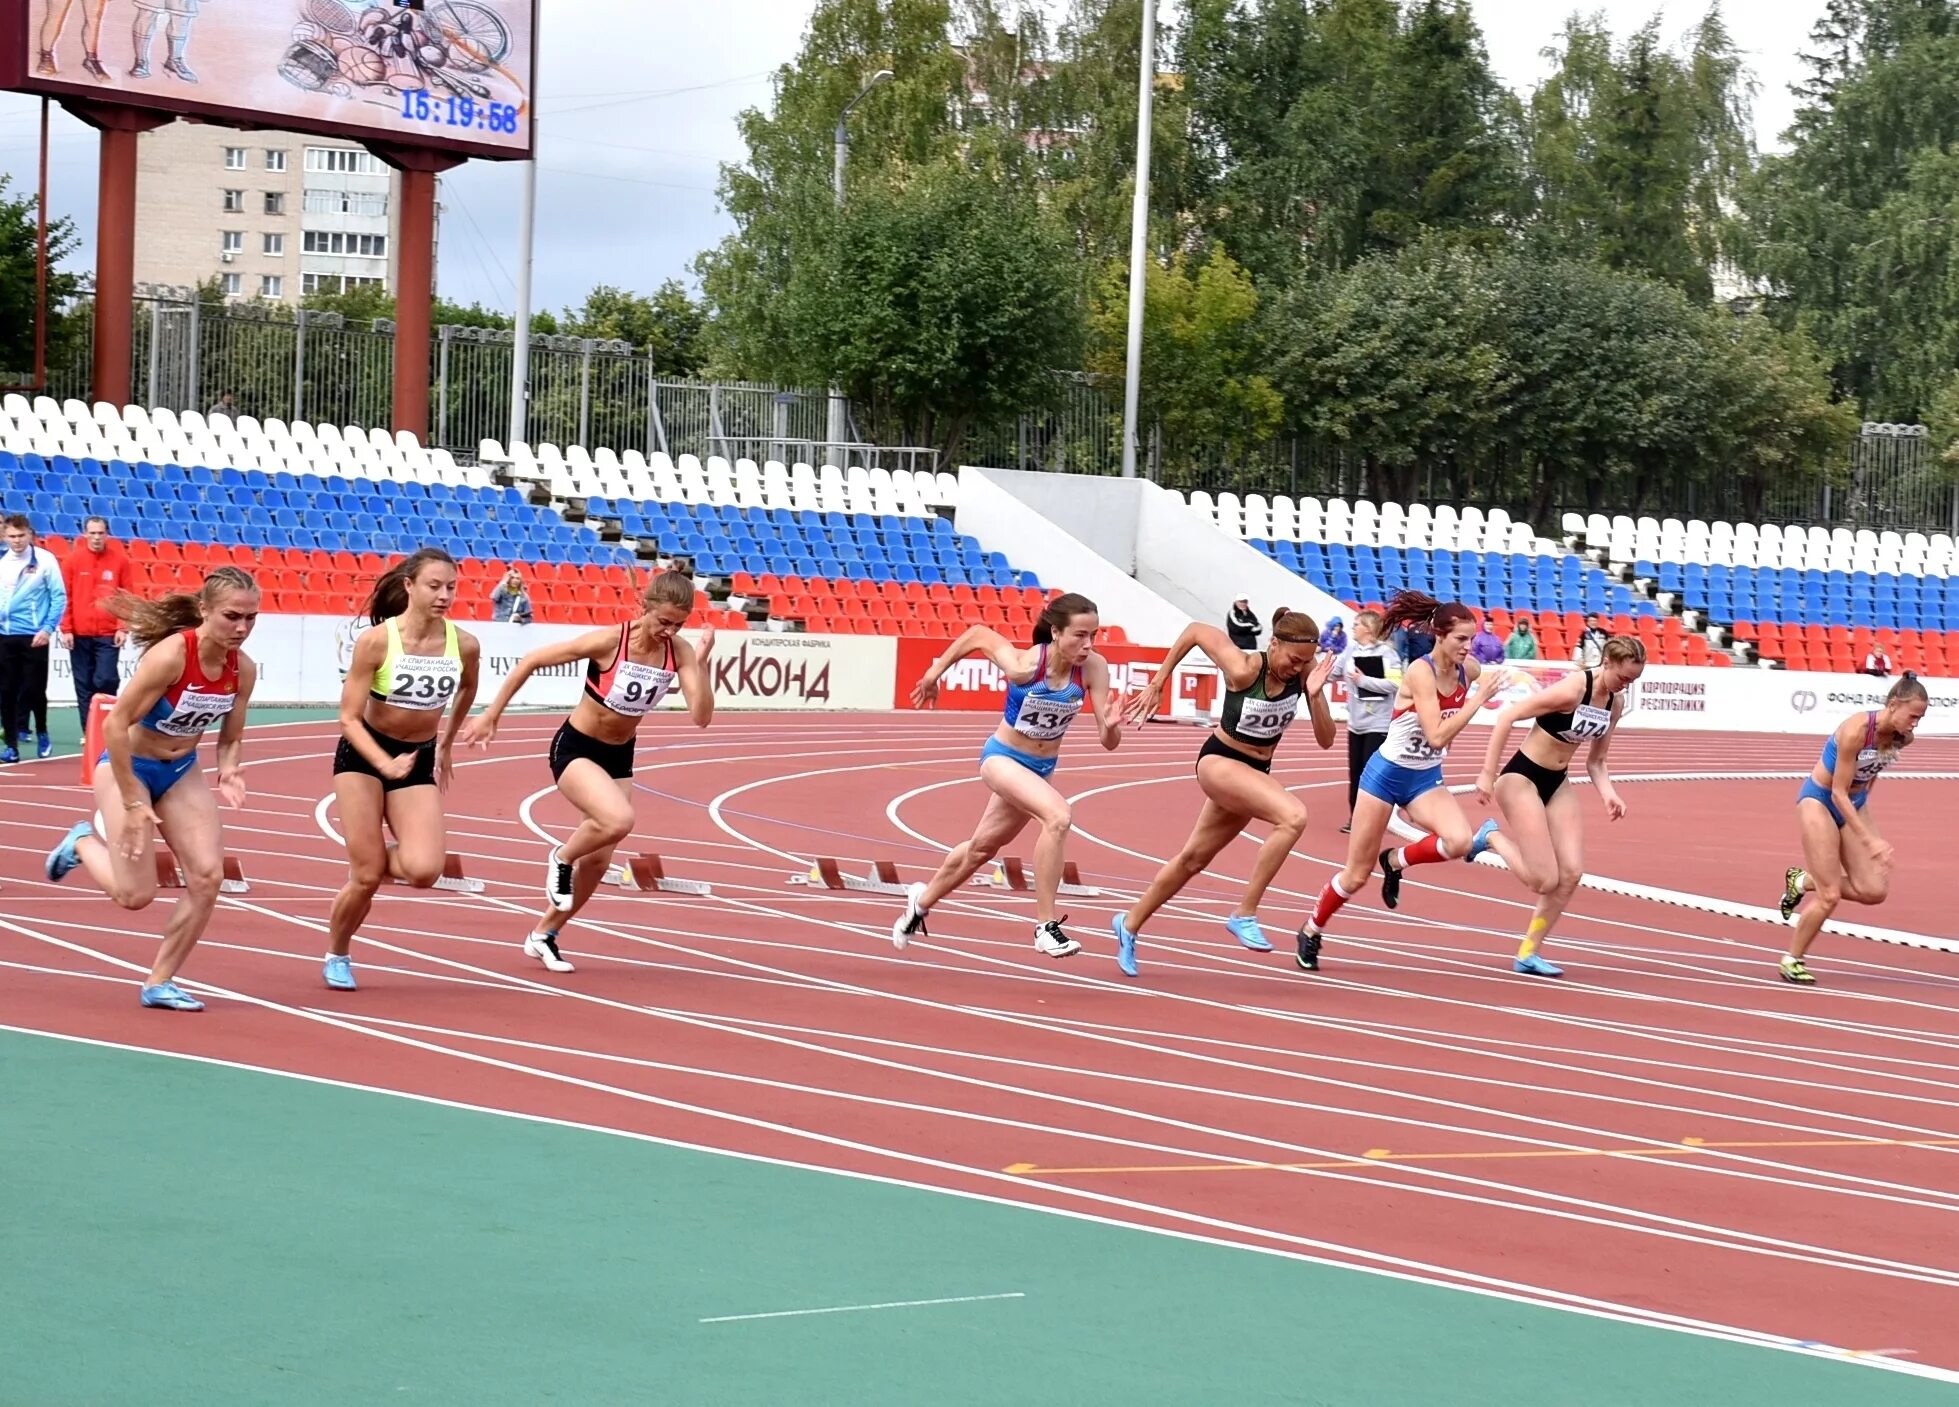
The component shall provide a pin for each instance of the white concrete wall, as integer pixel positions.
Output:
(1098, 512)
(1184, 557)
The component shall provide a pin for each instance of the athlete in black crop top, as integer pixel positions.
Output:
(1541, 814)
(1262, 693)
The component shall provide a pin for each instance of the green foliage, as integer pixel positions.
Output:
(18, 238)
(667, 325)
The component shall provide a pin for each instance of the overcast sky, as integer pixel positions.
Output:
(637, 112)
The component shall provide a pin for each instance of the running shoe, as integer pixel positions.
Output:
(1481, 841)
(43, 745)
(1792, 970)
(1308, 956)
(557, 879)
(339, 972)
(170, 997)
(1125, 946)
(9, 755)
(1347, 829)
(1792, 891)
(912, 920)
(1049, 939)
(544, 947)
(64, 857)
(1246, 930)
(1535, 966)
(1390, 880)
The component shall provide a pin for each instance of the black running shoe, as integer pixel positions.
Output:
(557, 880)
(1308, 956)
(1390, 880)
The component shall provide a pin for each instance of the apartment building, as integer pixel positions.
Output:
(271, 215)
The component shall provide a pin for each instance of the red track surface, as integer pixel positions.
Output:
(777, 1020)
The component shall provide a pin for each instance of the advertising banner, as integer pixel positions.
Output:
(451, 74)
(975, 684)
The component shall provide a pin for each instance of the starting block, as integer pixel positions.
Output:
(452, 878)
(170, 875)
(648, 875)
(828, 874)
(1010, 873)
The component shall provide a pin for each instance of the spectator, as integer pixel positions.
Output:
(1241, 624)
(1371, 687)
(1484, 645)
(94, 572)
(1334, 638)
(1412, 642)
(510, 601)
(227, 406)
(32, 600)
(1522, 644)
(1591, 643)
(1877, 662)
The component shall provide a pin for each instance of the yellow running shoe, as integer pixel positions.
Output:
(1792, 970)
(1792, 891)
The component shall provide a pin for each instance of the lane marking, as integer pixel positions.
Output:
(864, 1308)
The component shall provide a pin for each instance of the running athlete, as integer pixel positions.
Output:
(1542, 815)
(1234, 767)
(629, 669)
(1844, 857)
(1434, 703)
(191, 677)
(410, 667)
(1046, 686)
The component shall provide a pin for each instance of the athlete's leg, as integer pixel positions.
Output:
(1035, 796)
(1370, 824)
(1823, 864)
(187, 816)
(360, 803)
(607, 802)
(131, 883)
(1250, 792)
(1530, 850)
(1215, 829)
(1866, 879)
(1000, 821)
(1565, 818)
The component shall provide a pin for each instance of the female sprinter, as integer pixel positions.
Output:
(1046, 685)
(1433, 704)
(191, 677)
(1844, 857)
(410, 667)
(1234, 767)
(1541, 815)
(628, 670)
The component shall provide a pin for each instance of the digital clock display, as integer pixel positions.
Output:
(422, 109)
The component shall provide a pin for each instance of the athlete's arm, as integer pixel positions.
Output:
(1017, 664)
(592, 645)
(369, 650)
(1095, 676)
(1850, 737)
(161, 666)
(1601, 775)
(231, 736)
(695, 685)
(1439, 731)
(1565, 694)
(1238, 668)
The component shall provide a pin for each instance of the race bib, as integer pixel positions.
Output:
(637, 689)
(1588, 724)
(1045, 720)
(1267, 719)
(196, 713)
(425, 682)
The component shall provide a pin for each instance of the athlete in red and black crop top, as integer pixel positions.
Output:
(629, 670)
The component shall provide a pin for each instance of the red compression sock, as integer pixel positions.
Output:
(1331, 899)
(1426, 851)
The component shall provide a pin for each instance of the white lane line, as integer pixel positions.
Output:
(863, 1308)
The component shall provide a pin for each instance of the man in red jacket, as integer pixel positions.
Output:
(94, 571)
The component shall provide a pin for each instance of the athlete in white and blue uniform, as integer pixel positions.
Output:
(192, 677)
(1541, 815)
(1047, 684)
(1262, 698)
(1844, 856)
(1435, 702)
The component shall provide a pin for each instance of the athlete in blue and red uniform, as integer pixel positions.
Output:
(1844, 857)
(629, 669)
(192, 677)
(1047, 683)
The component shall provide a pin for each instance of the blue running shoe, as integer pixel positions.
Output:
(63, 858)
(339, 973)
(1247, 931)
(1536, 966)
(9, 755)
(171, 997)
(1482, 839)
(44, 745)
(1125, 946)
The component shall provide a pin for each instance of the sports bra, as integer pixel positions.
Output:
(1871, 759)
(1248, 716)
(627, 688)
(1585, 722)
(196, 702)
(424, 683)
(1407, 745)
(1041, 713)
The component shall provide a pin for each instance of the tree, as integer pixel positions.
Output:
(19, 220)
(667, 325)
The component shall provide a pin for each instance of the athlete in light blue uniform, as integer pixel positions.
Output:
(1047, 684)
(1844, 856)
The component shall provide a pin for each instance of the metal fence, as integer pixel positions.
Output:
(316, 366)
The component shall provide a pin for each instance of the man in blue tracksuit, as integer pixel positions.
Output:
(32, 598)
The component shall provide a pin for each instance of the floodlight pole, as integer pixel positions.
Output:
(837, 429)
(1139, 229)
(520, 346)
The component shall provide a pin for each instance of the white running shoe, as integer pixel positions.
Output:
(544, 947)
(1049, 939)
(912, 920)
(557, 880)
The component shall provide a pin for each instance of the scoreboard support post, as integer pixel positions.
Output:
(415, 294)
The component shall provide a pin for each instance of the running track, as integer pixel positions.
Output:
(1669, 1135)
